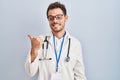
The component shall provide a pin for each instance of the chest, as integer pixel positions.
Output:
(50, 58)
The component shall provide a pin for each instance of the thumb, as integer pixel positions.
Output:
(30, 37)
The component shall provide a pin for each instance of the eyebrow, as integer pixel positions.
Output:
(56, 15)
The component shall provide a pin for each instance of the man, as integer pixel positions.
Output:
(61, 57)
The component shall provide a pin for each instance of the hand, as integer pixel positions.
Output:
(36, 42)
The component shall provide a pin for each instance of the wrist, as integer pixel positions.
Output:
(34, 53)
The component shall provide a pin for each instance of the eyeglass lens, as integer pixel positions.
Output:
(58, 17)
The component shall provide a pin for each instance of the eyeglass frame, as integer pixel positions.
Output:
(57, 17)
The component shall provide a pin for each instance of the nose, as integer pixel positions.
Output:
(55, 20)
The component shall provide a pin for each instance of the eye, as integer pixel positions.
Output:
(50, 18)
(58, 17)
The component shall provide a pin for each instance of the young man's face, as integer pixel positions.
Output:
(56, 19)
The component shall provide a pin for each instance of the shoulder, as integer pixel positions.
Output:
(75, 41)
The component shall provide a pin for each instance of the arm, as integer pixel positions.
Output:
(79, 72)
(31, 64)
(31, 67)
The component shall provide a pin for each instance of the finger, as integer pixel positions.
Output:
(30, 37)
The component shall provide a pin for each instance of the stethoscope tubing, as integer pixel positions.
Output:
(67, 59)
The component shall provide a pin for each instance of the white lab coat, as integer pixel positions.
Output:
(72, 70)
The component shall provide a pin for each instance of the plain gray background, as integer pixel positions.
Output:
(96, 23)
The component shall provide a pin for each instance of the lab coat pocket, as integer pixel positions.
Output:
(45, 69)
(48, 64)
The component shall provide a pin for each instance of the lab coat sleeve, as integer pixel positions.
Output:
(31, 67)
(79, 72)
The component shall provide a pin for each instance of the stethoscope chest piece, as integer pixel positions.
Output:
(67, 59)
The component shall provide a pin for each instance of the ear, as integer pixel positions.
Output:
(66, 18)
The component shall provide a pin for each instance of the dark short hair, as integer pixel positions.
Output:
(57, 5)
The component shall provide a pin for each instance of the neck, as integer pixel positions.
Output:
(60, 34)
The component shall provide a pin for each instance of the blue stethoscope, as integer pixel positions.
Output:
(67, 59)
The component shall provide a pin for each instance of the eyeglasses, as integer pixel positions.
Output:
(58, 17)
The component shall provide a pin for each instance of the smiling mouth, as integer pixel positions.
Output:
(56, 25)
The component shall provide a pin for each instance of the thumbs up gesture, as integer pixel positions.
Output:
(36, 42)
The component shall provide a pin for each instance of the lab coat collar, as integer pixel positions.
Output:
(50, 36)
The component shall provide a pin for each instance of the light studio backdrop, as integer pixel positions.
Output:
(96, 23)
